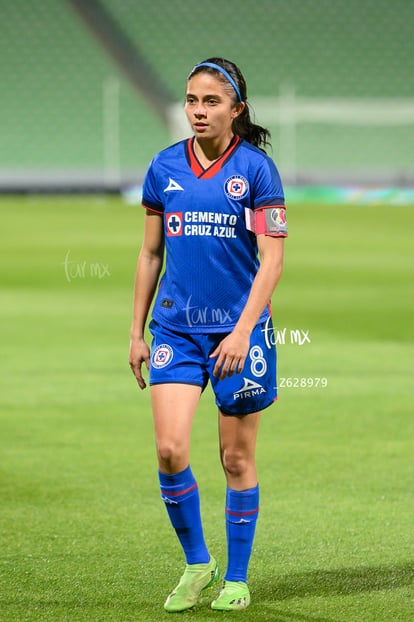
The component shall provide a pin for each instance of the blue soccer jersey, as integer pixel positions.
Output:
(211, 256)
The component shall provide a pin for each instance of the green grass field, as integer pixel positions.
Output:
(83, 534)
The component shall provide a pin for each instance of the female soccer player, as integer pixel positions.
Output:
(215, 202)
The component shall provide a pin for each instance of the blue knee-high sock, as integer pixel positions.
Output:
(180, 495)
(242, 509)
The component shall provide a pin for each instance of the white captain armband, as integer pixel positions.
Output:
(269, 220)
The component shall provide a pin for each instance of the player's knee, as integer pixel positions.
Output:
(171, 456)
(235, 462)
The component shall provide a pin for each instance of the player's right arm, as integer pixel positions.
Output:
(148, 270)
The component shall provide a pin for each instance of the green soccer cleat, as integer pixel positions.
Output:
(196, 578)
(235, 595)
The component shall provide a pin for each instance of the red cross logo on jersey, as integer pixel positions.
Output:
(175, 223)
(236, 187)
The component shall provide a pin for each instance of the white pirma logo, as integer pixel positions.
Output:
(236, 187)
(250, 388)
(172, 185)
(162, 356)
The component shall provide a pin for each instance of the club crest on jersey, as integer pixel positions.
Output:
(236, 187)
(162, 356)
(174, 223)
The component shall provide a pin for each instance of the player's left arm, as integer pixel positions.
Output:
(264, 284)
(233, 350)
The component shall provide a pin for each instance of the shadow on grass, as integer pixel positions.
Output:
(325, 583)
(343, 581)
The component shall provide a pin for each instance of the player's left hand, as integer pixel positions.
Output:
(231, 355)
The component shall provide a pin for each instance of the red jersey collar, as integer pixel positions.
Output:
(215, 167)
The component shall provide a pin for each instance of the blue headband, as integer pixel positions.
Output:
(225, 74)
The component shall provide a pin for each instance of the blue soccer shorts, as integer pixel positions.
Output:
(184, 358)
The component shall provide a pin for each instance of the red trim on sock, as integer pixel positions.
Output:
(181, 492)
(242, 513)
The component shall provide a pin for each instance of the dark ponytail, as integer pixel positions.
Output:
(242, 125)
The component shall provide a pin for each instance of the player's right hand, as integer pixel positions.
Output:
(139, 353)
